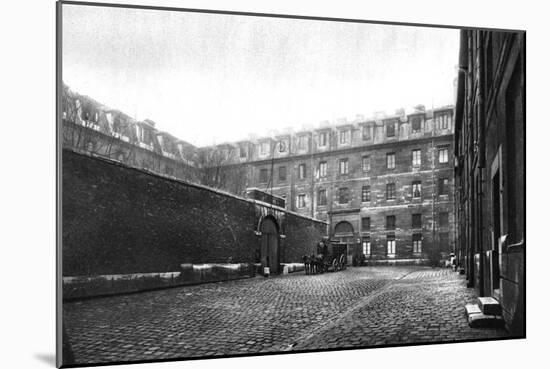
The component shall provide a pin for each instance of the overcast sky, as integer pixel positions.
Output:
(210, 78)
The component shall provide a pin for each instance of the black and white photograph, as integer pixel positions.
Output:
(241, 184)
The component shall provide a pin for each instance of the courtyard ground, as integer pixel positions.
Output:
(358, 307)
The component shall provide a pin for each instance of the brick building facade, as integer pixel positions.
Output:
(490, 168)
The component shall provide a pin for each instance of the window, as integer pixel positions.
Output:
(390, 129)
(282, 174)
(343, 166)
(390, 191)
(366, 246)
(443, 155)
(345, 136)
(323, 169)
(443, 219)
(366, 133)
(390, 222)
(302, 142)
(366, 163)
(416, 124)
(365, 193)
(343, 195)
(302, 201)
(302, 171)
(322, 198)
(417, 243)
(365, 224)
(442, 121)
(323, 139)
(391, 245)
(417, 220)
(263, 175)
(417, 189)
(282, 146)
(417, 157)
(443, 186)
(390, 160)
(242, 151)
(264, 148)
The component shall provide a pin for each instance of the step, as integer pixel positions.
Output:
(480, 320)
(472, 309)
(489, 306)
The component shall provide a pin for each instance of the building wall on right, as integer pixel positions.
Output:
(490, 168)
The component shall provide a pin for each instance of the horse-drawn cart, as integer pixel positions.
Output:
(329, 258)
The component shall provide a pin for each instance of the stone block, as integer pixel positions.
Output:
(489, 306)
(472, 309)
(481, 320)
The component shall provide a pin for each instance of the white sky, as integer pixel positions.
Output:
(210, 78)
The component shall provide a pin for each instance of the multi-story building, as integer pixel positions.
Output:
(490, 168)
(385, 185)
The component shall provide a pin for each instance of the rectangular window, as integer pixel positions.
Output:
(263, 175)
(366, 163)
(343, 195)
(322, 198)
(390, 160)
(417, 243)
(417, 189)
(417, 158)
(264, 148)
(443, 219)
(343, 166)
(282, 146)
(366, 133)
(443, 186)
(345, 136)
(302, 171)
(302, 201)
(302, 142)
(442, 121)
(417, 220)
(323, 169)
(242, 151)
(390, 129)
(365, 224)
(366, 246)
(282, 174)
(443, 155)
(390, 222)
(323, 139)
(365, 193)
(416, 124)
(390, 191)
(391, 245)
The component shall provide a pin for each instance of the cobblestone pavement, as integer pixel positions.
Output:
(356, 307)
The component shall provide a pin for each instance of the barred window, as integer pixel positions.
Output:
(366, 163)
(390, 222)
(322, 198)
(365, 193)
(417, 189)
(390, 160)
(390, 191)
(416, 158)
(417, 243)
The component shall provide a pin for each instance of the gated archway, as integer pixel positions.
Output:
(269, 249)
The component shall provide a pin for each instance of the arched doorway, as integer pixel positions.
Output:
(269, 252)
(343, 236)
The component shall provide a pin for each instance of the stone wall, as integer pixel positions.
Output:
(119, 220)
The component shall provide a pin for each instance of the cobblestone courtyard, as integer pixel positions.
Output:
(358, 307)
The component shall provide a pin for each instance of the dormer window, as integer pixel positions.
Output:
(416, 124)
(282, 146)
(323, 139)
(302, 142)
(366, 133)
(390, 129)
(345, 136)
(264, 148)
(443, 121)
